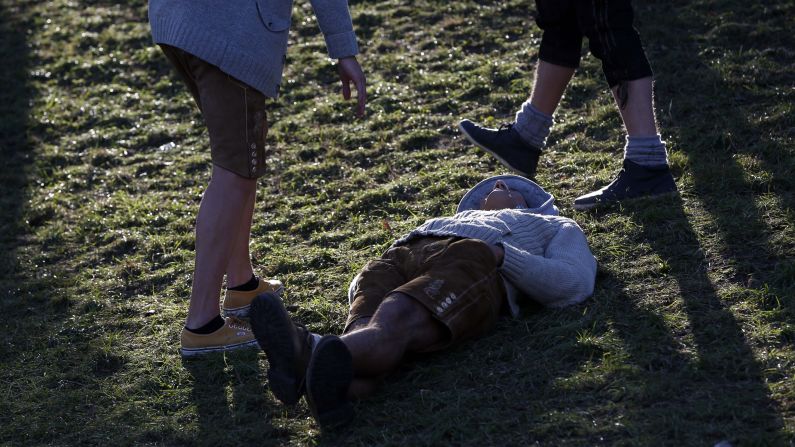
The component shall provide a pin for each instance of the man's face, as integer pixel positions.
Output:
(501, 197)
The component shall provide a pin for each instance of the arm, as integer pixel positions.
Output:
(335, 23)
(564, 275)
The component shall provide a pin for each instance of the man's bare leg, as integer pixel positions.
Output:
(638, 110)
(239, 270)
(549, 85)
(361, 387)
(400, 325)
(219, 217)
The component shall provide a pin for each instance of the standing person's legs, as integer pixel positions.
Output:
(559, 56)
(237, 120)
(613, 39)
(220, 226)
(235, 117)
(518, 145)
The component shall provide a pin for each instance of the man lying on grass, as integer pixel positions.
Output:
(445, 282)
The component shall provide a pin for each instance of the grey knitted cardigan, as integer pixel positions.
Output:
(247, 39)
(546, 257)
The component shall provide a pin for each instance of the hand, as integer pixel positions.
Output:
(351, 71)
(499, 253)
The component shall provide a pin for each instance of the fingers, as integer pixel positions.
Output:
(351, 72)
(361, 95)
(346, 88)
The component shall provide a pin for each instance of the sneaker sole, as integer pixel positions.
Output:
(589, 206)
(330, 368)
(579, 207)
(268, 322)
(243, 312)
(190, 352)
(494, 154)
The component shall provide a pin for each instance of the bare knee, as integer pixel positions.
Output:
(357, 324)
(232, 182)
(400, 311)
(405, 318)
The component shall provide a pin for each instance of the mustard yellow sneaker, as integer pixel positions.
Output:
(234, 334)
(237, 303)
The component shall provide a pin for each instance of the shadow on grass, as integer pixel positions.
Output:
(723, 393)
(30, 294)
(15, 97)
(22, 292)
(735, 196)
(737, 131)
(230, 398)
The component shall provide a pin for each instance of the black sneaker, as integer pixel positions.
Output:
(633, 181)
(287, 346)
(328, 378)
(505, 144)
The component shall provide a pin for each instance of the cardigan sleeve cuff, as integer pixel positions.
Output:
(341, 45)
(514, 264)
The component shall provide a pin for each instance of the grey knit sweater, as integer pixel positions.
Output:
(246, 38)
(546, 257)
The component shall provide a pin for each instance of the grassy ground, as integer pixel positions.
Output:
(688, 339)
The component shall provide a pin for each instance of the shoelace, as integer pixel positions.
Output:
(234, 323)
(505, 126)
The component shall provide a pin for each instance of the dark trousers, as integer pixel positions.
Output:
(611, 36)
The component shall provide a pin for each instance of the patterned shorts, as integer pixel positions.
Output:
(456, 279)
(233, 111)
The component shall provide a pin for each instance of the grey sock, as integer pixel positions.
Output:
(646, 151)
(533, 125)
